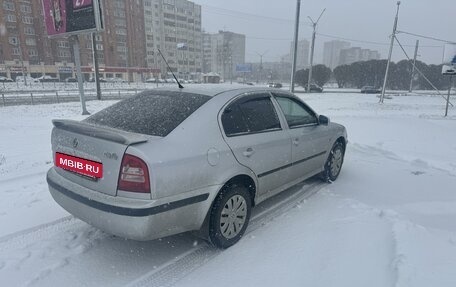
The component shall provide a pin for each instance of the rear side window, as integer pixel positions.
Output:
(250, 114)
(155, 113)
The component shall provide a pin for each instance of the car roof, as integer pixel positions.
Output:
(216, 89)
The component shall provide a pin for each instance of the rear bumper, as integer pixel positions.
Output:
(136, 219)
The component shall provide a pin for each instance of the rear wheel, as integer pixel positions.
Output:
(334, 163)
(230, 215)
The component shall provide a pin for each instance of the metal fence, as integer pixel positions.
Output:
(33, 86)
(35, 98)
(51, 93)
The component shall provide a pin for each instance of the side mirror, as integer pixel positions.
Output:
(323, 120)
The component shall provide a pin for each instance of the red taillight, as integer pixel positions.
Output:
(134, 175)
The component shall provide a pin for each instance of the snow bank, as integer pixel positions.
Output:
(387, 221)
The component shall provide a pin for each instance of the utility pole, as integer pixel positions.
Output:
(231, 69)
(95, 67)
(295, 45)
(393, 36)
(260, 76)
(77, 61)
(18, 44)
(314, 24)
(413, 67)
(126, 61)
(448, 97)
(188, 63)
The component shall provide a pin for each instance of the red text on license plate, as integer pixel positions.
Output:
(79, 165)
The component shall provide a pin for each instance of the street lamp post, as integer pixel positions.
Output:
(18, 45)
(393, 36)
(295, 45)
(260, 76)
(314, 25)
(413, 67)
(95, 66)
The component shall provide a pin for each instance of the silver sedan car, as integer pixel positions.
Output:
(174, 160)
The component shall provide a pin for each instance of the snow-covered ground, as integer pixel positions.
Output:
(387, 221)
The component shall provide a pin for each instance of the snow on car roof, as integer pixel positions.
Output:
(214, 89)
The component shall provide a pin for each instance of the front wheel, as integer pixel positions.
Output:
(334, 163)
(230, 215)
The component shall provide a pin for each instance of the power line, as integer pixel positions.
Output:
(246, 16)
(352, 40)
(421, 73)
(229, 12)
(266, 38)
(426, 37)
(340, 38)
(370, 42)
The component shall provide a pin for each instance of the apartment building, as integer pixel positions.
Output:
(174, 27)
(356, 54)
(127, 48)
(24, 46)
(222, 52)
(331, 52)
(121, 47)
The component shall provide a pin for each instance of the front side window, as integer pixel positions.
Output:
(250, 114)
(296, 113)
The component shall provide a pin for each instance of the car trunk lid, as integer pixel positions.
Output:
(102, 146)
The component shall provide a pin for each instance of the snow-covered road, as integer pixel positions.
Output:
(387, 221)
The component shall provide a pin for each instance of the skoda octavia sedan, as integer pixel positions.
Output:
(173, 160)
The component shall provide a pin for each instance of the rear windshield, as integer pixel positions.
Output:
(154, 113)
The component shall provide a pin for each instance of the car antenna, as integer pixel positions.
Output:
(169, 68)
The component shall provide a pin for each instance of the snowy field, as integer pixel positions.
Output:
(389, 220)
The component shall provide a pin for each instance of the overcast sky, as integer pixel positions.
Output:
(269, 24)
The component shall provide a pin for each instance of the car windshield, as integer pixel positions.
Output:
(154, 113)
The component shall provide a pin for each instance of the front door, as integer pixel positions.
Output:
(309, 138)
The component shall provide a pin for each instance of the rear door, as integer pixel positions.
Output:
(254, 133)
(309, 139)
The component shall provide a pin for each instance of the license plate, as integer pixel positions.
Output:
(79, 165)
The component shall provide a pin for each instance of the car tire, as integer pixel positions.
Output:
(334, 163)
(230, 215)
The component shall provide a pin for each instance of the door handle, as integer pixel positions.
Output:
(248, 152)
(296, 141)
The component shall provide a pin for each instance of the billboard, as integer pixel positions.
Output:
(244, 68)
(69, 17)
(449, 59)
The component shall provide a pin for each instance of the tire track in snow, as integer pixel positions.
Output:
(38, 232)
(173, 271)
(69, 240)
(36, 253)
(383, 153)
(391, 218)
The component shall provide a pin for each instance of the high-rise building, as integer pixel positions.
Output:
(222, 52)
(134, 30)
(121, 46)
(207, 53)
(174, 27)
(302, 55)
(23, 42)
(356, 54)
(331, 52)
